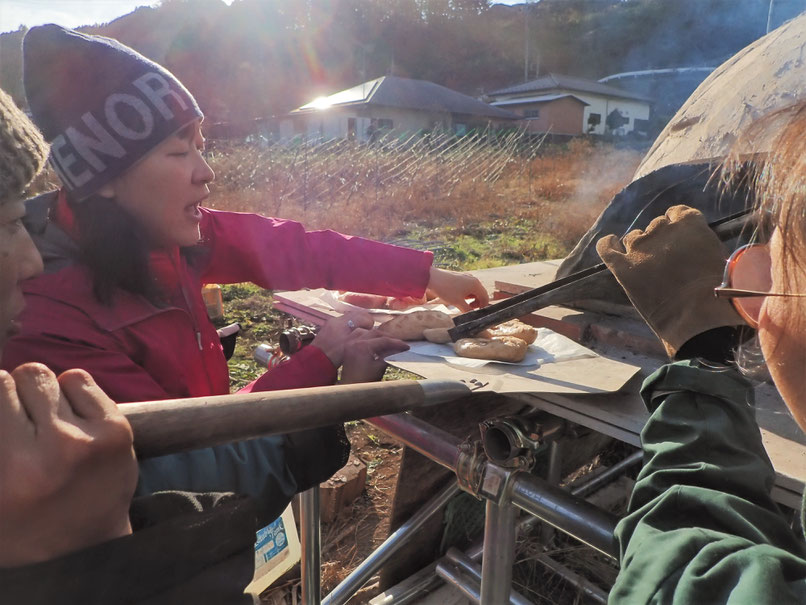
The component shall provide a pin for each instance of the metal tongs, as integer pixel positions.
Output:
(577, 286)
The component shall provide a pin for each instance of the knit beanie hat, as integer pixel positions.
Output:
(22, 150)
(101, 105)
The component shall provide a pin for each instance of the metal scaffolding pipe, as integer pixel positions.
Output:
(171, 426)
(465, 563)
(571, 514)
(594, 592)
(430, 441)
(499, 552)
(554, 477)
(459, 579)
(602, 478)
(311, 537)
(426, 579)
(342, 593)
(550, 503)
(411, 588)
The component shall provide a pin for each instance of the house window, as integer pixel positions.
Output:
(531, 114)
(594, 119)
(385, 124)
(641, 125)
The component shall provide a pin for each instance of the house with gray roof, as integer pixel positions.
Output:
(570, 105)
(392, 104)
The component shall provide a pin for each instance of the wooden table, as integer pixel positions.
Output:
(600, 393)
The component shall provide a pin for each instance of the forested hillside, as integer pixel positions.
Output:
(264, 57)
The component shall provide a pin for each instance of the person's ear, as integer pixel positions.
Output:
(107, 191)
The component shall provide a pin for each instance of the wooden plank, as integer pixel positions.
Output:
(578, 376)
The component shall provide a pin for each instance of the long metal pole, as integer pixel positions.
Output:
(467, 564)
(342, 593)
(459, 579)
(411, 588)
(430, 441)
(571, 514)
(499, 553)
(594, 592)
(583, 489)
(554, 476)
(167, 427)
(310, 531)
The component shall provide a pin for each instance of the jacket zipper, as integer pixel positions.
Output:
(193, 321)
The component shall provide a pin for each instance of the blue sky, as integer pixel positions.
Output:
(72, 13)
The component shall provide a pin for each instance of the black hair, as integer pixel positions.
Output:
(114, 247)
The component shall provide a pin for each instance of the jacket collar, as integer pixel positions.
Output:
(164, 264)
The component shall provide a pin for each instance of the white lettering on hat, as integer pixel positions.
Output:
(63, 161)
(110, 108)
(155, 87)
(103, 142)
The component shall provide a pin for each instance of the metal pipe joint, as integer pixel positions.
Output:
(512, 441)
(478, 476)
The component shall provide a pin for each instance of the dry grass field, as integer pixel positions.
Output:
(532, 200)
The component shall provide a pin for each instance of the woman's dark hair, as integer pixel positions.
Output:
(114, 247)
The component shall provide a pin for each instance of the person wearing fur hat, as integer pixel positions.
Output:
(128, 245)
(68, 470)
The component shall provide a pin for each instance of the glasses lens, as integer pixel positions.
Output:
(750, 269)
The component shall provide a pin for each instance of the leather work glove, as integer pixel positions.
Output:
(669, 273)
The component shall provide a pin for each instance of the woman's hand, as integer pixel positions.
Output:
(338, 331)
(67, 466)
(364, 356)
(456, 288)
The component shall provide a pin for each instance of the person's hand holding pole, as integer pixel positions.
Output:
(67, 466)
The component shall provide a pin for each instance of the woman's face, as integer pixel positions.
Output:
(165, 189)
(782, 332)
(19, 260)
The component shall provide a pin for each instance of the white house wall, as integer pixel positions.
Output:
(603, 105)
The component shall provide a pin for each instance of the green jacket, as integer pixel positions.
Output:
(701, 526)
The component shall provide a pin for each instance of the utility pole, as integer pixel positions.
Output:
(526, 42)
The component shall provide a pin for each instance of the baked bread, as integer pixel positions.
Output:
(498, 348)
(365, 301)
(437, 335)
(401, 304)
(513, 327)
(410, 326)
(377, 301)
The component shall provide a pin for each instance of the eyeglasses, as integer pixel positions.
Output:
(748, 281)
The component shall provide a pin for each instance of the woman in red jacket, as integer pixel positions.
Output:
(127, 246)
(70, 531)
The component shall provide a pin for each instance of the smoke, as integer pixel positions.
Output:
(687, 33)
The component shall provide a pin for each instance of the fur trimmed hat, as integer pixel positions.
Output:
(100, 104)
(22, 150)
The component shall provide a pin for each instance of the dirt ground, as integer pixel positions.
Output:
(364, 525)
